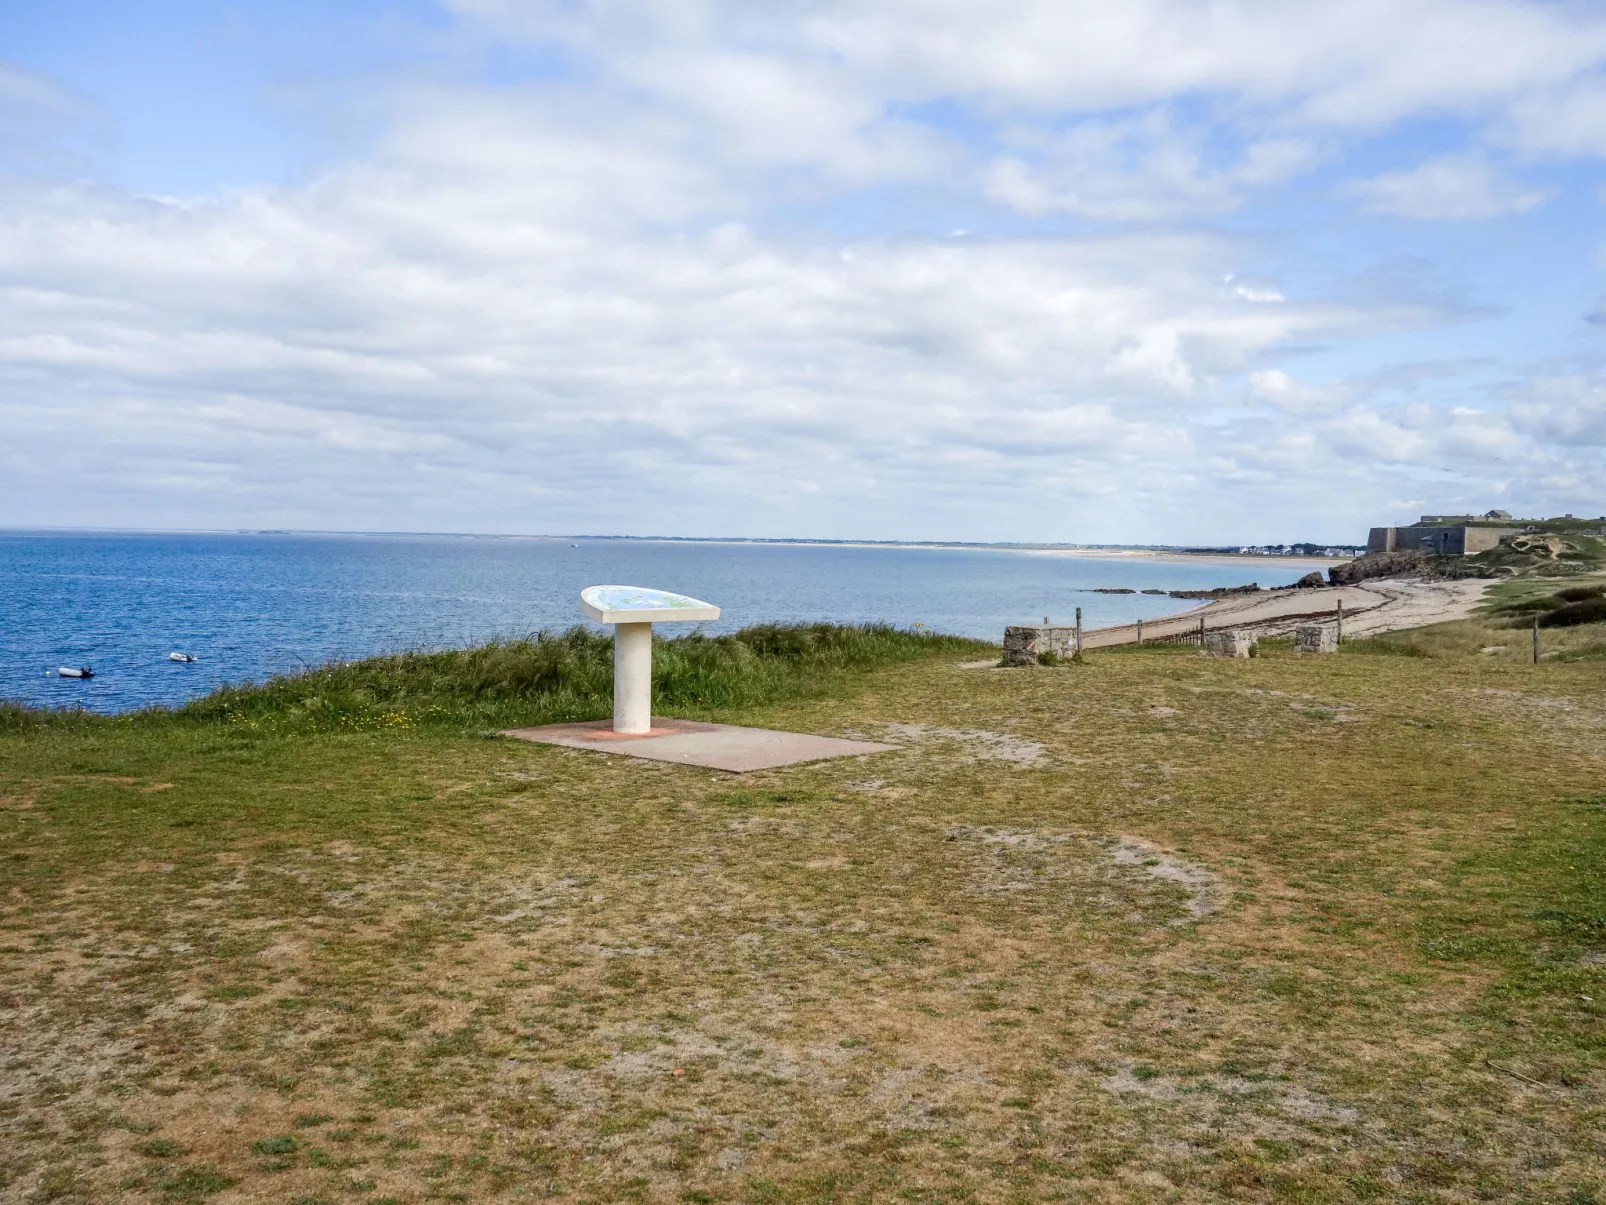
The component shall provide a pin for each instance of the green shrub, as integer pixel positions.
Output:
(1579, 593)
(1570, 615)
(1529, 606)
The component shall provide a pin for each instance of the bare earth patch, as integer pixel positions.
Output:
(978, 745)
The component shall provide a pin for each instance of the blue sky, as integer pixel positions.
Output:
(183, 99)
(1175, 272)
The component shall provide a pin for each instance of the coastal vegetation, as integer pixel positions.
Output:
(548, 678)
(1572, 621)
(1569, 608)
(1153, 926)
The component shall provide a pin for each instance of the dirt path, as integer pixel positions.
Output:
(1376, 606)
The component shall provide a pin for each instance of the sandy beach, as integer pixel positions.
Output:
(1385, 605)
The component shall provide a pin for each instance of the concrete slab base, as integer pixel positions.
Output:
(691, 743)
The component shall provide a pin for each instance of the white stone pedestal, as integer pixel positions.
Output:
(632, 610)
(632, 678)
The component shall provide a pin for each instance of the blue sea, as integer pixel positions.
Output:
(252, 605)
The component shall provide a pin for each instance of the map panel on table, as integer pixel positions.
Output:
(641, 604)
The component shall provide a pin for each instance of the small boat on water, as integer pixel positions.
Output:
(182, 657)
(82, 671)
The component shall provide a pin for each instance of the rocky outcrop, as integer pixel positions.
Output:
(1218, 592)
(1410, 563)
(1311, 581)
(1377, 564)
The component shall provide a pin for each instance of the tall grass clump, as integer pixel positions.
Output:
(1487, 637)
(557, 677)
(1383, 646)
(19, 717)
(1573, 614)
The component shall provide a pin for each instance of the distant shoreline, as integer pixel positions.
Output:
(1094, 551)
(1160, 554)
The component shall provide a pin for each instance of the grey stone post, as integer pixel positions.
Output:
(1079, 629)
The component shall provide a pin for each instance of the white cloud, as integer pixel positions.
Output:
(1087, 99)
(1568, 410)
(39, 119)
(405, 340)
(1447, 188)
(27, 97)
(1279, 389)
(1460, 439)
(1144, 168)
(1365, 63)
(590, 303)
(1566, 120)
(1250, 289)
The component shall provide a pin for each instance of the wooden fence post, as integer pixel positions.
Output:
(1340, 639)
(1079, 630)
(1140, 631)
(1536, 640)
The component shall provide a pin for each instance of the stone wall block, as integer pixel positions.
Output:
(1026, 644)
(1231, 643)
(1315, 638)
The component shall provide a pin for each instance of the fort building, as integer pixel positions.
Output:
(1443, 540)
(1447, 535)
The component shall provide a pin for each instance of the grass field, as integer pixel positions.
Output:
(1153, 928)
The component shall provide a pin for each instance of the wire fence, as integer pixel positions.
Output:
(1194, 636)
(1195, 633)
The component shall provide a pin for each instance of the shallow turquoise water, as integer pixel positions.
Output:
(250, 605)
